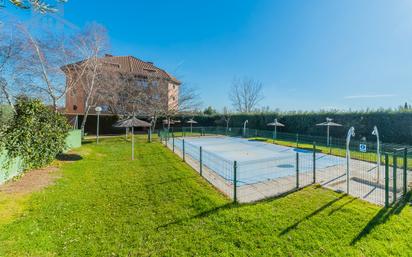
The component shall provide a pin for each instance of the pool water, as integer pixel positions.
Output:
(256, 161)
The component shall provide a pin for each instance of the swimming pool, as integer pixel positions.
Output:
(256, 161)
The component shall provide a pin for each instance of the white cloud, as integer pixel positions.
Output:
(368, 96)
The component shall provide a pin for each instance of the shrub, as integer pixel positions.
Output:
(36, 133)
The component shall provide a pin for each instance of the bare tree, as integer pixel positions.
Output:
(227, 115)
(11, 47)
(44, 66)
(91, 44)
(153, 99)
(189, 102)
(131, 94)
(123, 93)
(37, 5)
(245, 94)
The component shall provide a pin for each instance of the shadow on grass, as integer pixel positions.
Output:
(174, 180)
(69, 157)
(382, 216)
(202, 214)
(296, 224)
(341, 207)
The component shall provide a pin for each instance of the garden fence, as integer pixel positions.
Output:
(382, 178)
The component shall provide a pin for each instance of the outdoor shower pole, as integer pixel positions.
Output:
(375, 132)
(351, 133)
(244, 127)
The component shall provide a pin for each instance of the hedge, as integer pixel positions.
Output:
(394, 127)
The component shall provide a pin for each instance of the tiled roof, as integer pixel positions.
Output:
(130, 64)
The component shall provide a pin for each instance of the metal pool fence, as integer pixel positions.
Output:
(381, 177)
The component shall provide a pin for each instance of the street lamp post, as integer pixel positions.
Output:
(98, 109)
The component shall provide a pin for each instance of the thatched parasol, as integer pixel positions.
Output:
(275, 124)
(329, 123)
(191, 122)
(132, 123)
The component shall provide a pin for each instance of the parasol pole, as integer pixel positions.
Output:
(132, 143)
(327, 134)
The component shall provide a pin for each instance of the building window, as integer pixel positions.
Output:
(74, 107)
(111, 65)
(142, 82)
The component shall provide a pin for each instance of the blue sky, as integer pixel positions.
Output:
(309, 55)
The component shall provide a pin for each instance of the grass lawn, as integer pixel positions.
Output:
(107, 205)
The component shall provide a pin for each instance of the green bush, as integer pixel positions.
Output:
(36, 133)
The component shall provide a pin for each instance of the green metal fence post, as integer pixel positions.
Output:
(297, 170)
(395, 164)
(200, 162)
(314, 162)
(183, 147)
(297, 140)
(235, 181)
(330, 145)
(386, 180)
(173, 142)
(405, 171)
